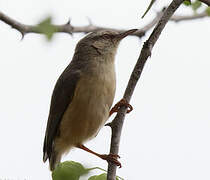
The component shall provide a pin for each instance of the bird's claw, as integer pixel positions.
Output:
(112, 158)
(122, 102)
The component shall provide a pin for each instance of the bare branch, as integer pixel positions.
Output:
(22, 28)
(68, 28)
(117, 123)
(207, 2)
(192, 17)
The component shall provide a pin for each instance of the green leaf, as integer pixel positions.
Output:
(149, 7)
(187, 3)
(196, 5)
(208, 11)
(69, 170)
(47, 28)
(100, 177)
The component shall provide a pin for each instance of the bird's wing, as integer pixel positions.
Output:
(62, 96)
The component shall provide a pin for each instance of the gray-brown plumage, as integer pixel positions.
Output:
(83, 95)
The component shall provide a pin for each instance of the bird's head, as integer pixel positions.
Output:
(102, 42)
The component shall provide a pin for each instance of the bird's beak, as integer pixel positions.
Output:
(126, 33)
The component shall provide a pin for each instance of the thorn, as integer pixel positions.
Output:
(71, 34)
(69, 22)
(22, 35)
(70, 27)
(89, 21)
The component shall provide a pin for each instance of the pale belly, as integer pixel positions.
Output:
(86, 114)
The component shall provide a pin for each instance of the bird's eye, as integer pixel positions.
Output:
(106, 36)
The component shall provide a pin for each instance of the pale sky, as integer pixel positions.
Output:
(167, 135)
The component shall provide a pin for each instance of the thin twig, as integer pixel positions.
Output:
(117, 123)
(186, 18)
(68, 28)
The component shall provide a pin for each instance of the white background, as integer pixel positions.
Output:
(166, 137)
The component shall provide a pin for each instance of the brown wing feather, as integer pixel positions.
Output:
(62, 96)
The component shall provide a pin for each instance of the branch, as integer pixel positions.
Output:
(207, 2)
(192, 17)
(68, 28)
(117, 123)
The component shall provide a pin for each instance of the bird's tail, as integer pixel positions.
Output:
(45, 154)
(53, 156)
(54, 160)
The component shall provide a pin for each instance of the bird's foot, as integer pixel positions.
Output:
(122, 102)
(111, 158)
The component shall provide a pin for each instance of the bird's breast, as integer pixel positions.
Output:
(90, 106)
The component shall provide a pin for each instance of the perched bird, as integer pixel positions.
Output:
(83, 96)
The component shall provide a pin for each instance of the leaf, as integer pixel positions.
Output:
(149, 7)
(187, 3)
(195, 5)
(100, 177)
(69, 170)
(46, 28)
(208, 11)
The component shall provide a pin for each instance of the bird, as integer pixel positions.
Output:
(83, 96)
